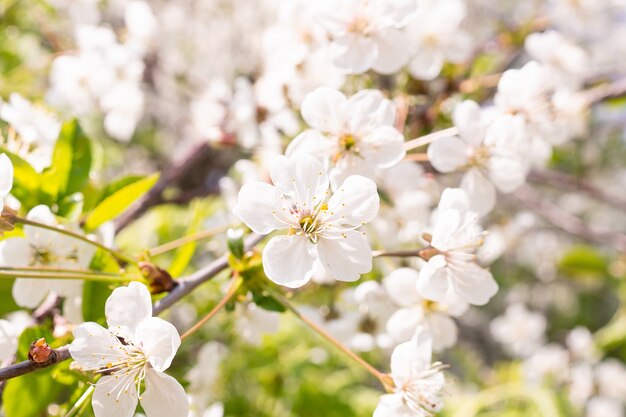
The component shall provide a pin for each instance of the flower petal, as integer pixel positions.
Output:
(475, 284)
(448, 154)
(30, 292)
(8, 339)
(481, 191)
(354, 203)
(115, 396)
(345, 258)
(15, 251)
(426, 64)
(410, 358)
(393, 405)
(164, 396)
(159, 340)
(287, 261)
(402, 324)
(354, 54)
(468, 119)
(311, 142)
(261, 207)
(392, 51)
(94, 346)
(433, 281)
(367, 110)
(400, 285)
(127, 307)
(6, 175)
(384, 146)
(323, 109)
(301, 177)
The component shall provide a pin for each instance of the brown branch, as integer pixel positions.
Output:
(170, 176)
(568, 182)
(186, 285)
(566, 221)
(58, 355)
(607, 91)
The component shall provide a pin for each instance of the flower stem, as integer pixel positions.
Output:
(118, 255)
(195, 237)
(397, 253)
(431, 137)
(369, 368)
(62, 274)
(78, 406)
(235, 283)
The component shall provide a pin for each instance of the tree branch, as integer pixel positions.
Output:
(185, 286)
(608, 91)
(59, 355)
(566, 221)
(564, 181)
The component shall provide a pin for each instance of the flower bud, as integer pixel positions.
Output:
(7, 220)
(159, 280)
(39, 351)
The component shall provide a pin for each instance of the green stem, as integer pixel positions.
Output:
(78, 406)
(384, 380)
(232, 291)
(195, 237)
(65, 275)
(118, 255)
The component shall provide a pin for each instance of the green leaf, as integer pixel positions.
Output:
(267, 302)
(30, 395)
(7, 304)
(26, 180)
(184, 254)
(71, 206)
(113, 205)
(71, 162)
(582, 260)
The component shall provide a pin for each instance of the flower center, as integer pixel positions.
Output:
(359, 25)
(311, 223)
(480, 157)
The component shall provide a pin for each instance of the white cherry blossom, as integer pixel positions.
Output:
(520, 331)
(417, 380)
(42, 247)
(435, 35)
(456, 237)
(366, 34)
(494, 154)
(321, 227)
(136, 349)
(37, 130)
(401, 285)
(352, 135)
(6, 178)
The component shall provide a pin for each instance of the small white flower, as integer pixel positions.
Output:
(417, 380)
(354, 135)
(436, 37)
(6, 178)
(136, 348)
(415, 310)
(321, 227)
(366, 34)
(38, 130)
(492, 154)
(456, 238)
(41, 247)
(519, 330)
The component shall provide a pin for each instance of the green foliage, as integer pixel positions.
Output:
(584, 261)
(114, 204)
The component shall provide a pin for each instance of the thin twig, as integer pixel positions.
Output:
(59, 355)
(564, 181)
(186, 285)
(431, 137)
(566, 221)
(605, 91)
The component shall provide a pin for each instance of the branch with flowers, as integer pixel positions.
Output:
(369, 207)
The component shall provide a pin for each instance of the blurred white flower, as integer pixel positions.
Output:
(352, 135)
(6, 178)
(366, 34)
(494, 154)
(417, 380)
(435, 36)
(10, 331)
(452, 268)
(38, 130)
(520, 331)
(401, 285)
(605, 407)
(47, 248)
(551, 360)
(321, 228)
(254, 322)
(136, 348)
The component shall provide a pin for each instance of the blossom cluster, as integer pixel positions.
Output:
(390, 160)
